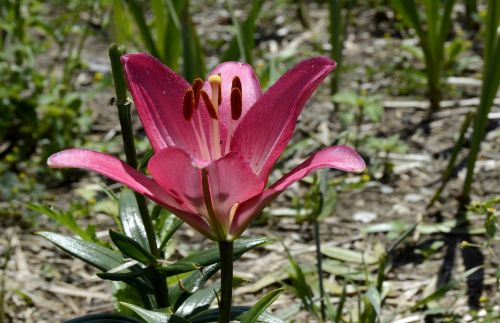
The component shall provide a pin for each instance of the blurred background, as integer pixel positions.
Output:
(415, 93)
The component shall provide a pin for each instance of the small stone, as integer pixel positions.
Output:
(364, 216)
(413, 198)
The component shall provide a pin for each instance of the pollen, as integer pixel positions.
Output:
(188, 104)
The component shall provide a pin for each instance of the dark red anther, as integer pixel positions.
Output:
(236, 103)
(197, 86)
(188, 104)
(210, 106)
(236, 83)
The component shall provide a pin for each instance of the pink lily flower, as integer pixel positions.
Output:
(215, 142)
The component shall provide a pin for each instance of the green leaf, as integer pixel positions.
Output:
(131, 248)
(125, 276)
(198, 301)
(170, 225)
(121, 23)
(212, 315)
(66, 219)
(190, 284)
(242, 43)
(154, 316)
(143, 163)
(106, 317)
(193, 57)
(95, 255)
(172, 46)
(210, 256)
(130, 218)
(139, 19)
(254, 313)
(373, 296)
(299, 282)
(346, 97)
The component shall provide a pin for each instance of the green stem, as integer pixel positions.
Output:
(123, 105)
(226, 291)
(319, 267)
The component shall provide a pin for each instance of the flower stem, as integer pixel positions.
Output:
(319, 268)
(226, 291)
(123, 105)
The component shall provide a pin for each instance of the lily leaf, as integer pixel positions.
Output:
(210, 256)
(198, 301)
(130, 218)
(106, 317)
(255, 312)
(131, 248)
(212, 315)
(169, 226)
(154, 316)
(190, 284)
(95, 255)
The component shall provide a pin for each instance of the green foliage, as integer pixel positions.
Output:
(42, 112)
(432, 25)
(242, 44)
(66, 219)
(255, 312)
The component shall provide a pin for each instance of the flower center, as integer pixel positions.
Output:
(210, 143)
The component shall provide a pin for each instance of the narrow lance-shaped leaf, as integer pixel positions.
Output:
(131, 248)
(254, 313)
(95, 255)
(210, 256)
(130, 218)
(154, 316)
(198, 301)
(139, 18)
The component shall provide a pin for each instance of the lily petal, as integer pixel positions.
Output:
(119, 171)
(251, 90)
(266, 129)
(337, 157)
(158, 94)
(179, 175)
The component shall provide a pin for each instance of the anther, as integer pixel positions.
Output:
(236, 83)
(197, 85)
(188, 104)
(212, 111)
(236, 103)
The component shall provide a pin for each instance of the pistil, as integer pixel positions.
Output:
(215, 84)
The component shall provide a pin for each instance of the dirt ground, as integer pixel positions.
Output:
(42, 284)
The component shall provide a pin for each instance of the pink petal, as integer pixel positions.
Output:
(230, 179)
(250, 89)
(158, 94)
(265, 131)
(338, 157)
(121, 172)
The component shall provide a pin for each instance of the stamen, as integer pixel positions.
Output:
(197, 85)
(236, 83)
(188, 104)
(236, 103)
(212, 111)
